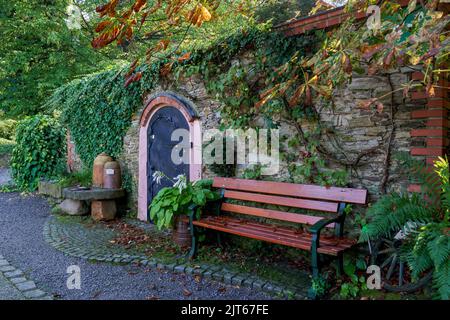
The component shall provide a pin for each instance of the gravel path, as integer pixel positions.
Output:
(21, 242)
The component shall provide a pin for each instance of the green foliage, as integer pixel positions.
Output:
(39, 152)
(424, 218)
(39, 53)
(172, 201)
(6, 146)
(7, 129)
(253, 172)
(356, 284)
(79, 178)
(279, 11)
(319, 286)
(98, 110)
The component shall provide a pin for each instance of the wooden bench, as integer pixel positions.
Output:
(235, 218)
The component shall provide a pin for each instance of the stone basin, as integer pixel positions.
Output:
(89, 194)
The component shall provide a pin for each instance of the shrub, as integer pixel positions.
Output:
(7, 128)
(39, 151)
(6, 146)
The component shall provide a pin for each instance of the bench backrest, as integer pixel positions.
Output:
(303, 196)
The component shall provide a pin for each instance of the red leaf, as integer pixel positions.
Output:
(347, 64)
(138, 5)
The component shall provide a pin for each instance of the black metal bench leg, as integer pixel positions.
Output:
(194, 246)
(219, 239)
(315, 265)
(340, 264)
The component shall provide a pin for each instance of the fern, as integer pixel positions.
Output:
(427, 247)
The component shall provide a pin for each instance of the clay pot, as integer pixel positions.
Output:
(112, 177)
(97, 173)
(181, 234)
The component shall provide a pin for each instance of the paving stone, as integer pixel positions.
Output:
(34, 293)
(189, 270)
(237, 280)
(268, 287)
(27, 285)
(13, 274)
(207, 274)
(180, 268)
(277, 290)
(170, 267)
(199, 271)
(218, 275)
(227, 277)
(7, 268)
(144, 262)
(18, 280)
(152, 263)
(258, 284)
(3, 263)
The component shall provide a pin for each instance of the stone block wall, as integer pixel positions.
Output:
(354, 134)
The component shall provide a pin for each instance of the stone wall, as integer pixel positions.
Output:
(356, 132)
(353, 134)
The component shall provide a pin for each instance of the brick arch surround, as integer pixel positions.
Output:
(152, 104)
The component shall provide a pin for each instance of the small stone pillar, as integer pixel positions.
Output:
(103, 210)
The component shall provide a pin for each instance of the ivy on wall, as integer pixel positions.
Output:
(98, 109)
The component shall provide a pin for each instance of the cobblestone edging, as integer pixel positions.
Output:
(93, 244)
(18, 279)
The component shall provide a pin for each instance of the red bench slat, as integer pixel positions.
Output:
(336, 194)
(282, 201)
(261, 232)
(272, 214)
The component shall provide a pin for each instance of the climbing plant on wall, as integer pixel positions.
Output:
(98, 110)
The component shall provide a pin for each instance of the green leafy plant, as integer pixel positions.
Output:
(39, 152)
(319, 286)
(175, 201)
(353, 287)
(7, 129)
(6, 146)
(424, 220)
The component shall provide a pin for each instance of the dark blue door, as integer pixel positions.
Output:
(160, 145)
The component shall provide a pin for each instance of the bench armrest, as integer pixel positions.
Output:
(192, 210)
(319, 225)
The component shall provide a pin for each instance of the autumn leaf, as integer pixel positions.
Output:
(102, 25)
(138, 5)
(296, 96)
(379, 106)
(165, 70)
(346, 64)
(369, 51)
(365, 104)
(187, 293)
(184, 57)
(387, 61)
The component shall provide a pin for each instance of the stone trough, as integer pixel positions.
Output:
(103, 205)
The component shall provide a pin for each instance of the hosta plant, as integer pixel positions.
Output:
(176, 200)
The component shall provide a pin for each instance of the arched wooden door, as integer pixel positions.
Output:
(160, 146)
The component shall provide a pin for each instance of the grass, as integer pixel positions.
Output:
(81, 178)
